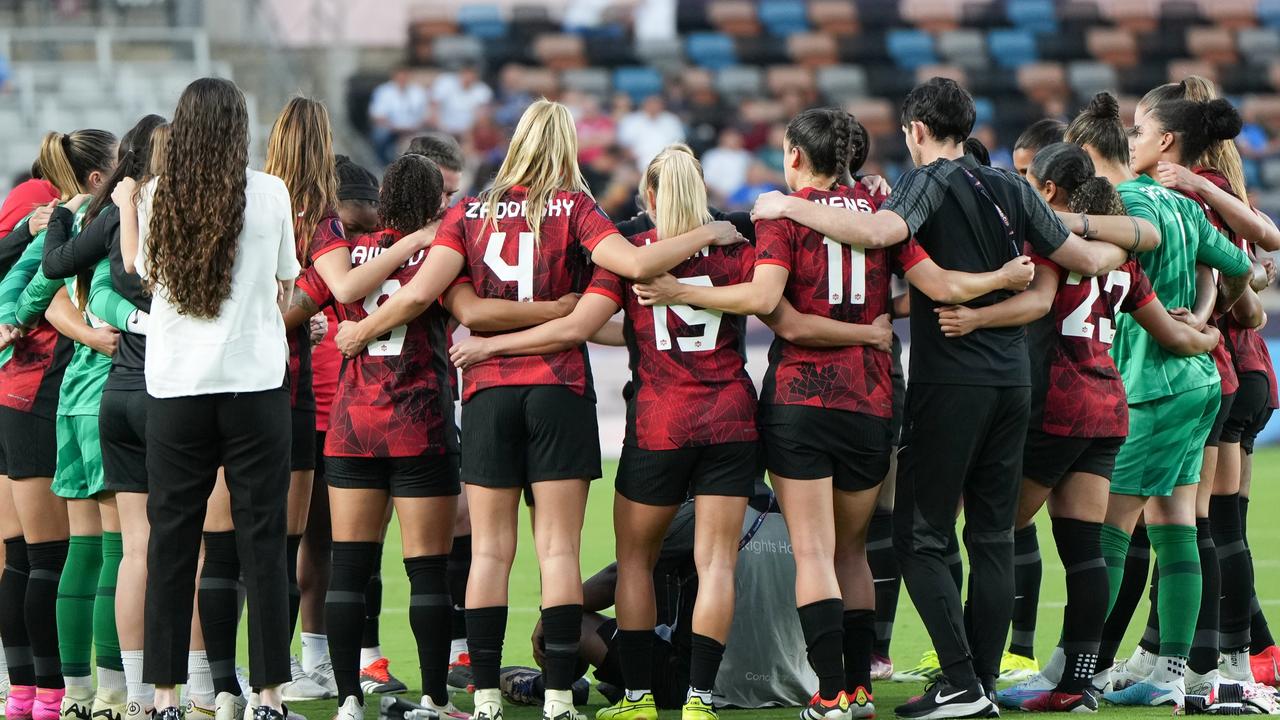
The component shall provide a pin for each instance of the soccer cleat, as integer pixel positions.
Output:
(195, 711)
(519, 684)
(135, 710)
(941, 699)
(265, 712)
(4, 690)
(642, 709)
(323, 675)
(351, 709)
(169, 713)
(1132, 670)
(695, 708)
(51, 702)
(1015, 697)
(393, 707)
(376, 679)
(1264, 666)
(17, 706)
(1016, 668)
(1055, 701)
(460, 677)
(1197, 684)
(881, 667)
(860, 703)
(229, 707)
(836, 708)
(558, 705)
(1149, 693)
(302, 687)
(927, 670)
(110, 704)
(488, 704)
(447, 710)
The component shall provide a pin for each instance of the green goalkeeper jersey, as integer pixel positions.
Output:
(1148, 370)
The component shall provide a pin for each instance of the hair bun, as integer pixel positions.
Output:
(1104, 106)
(1221, 120)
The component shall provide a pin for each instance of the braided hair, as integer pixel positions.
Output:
(827, 138)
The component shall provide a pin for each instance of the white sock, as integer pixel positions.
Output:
(199, 678)
(456, 649)
(315, 651)
(635, 695)
(1235, 666)
(370, 655)
(703, 695)
(1169, 669)
(109, 679)
(1052, 670)
(135, 689)
(78, 681)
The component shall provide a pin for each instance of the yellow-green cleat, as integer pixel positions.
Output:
(642, 709)
(697, 709)
(1016, 668)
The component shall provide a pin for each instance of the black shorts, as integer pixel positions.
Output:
(421, 476)
(514, 436)
(303, 452)
(669, 477)
(668, 684)
(122, 430)
(1220, 421)
(1047, 458)
(1250, 411)
(28, 445)
(810, 443)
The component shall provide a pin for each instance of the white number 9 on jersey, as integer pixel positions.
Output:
(708, 319)
(392, 343)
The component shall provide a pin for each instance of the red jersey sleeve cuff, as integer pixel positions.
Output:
(1146, 300)
(460, 280)
(591, 243)
(451, 243)
(606, 293)
(1039, 259)
(773, 261)
(317, 254)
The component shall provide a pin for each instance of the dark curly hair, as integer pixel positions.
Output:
(198, 209)
(1099, 127)
(412, 190)
(826, 135)
(1069, 167)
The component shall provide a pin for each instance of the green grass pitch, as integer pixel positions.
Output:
(909, 636)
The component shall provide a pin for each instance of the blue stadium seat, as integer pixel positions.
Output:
(1269, 12)
(1033, 15)
(1011, 48)
(985, 111)
(638, 82)
(482, 21)
(1252, 175)
(910, 49)
(711, 50)
(783, 17)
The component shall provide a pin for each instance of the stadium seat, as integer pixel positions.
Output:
(1232, 14)
(951, 72)
(984, 111)
(1114, 46)
(608, 51)
(963, 47)
(889, 80)
(541, 82)
(1043, 81)
(739, 81)
(697, 80)
(867, 47)
(734, 17)
(665, 54)
(1088, 78)
(813, 49)
(761, 50)
(983, 15)
(878, 14)
(1269, 12)
(1011, 48)
(932, 16)
(1259, 44)
(1179, 69)
(1252, 173)
(560, 51)
(1079, 14)
(1065, 45)
(842, 83)
(594, 81)
(910, 48)
(1212, 44)
(638, 82)
(1271, 172)
(453, 50)
(431, 21)
(994, 82)
(1178, 15)
(783, 17)
(1134, 15)
(876, 115)
(834, 16)
(711, 50)
(1034, 15)
(1140, 78)
(529, 21)
(1244, 78)
(1161, 46)
(692, 17)
(781, 79)
(482, 21)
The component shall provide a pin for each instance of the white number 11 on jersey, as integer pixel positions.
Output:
(835, 273)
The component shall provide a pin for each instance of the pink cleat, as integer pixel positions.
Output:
(48, 705)
(18, 705)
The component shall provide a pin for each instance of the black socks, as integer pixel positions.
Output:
(13, 621)
(823, 626)
(486, 627)
(1027, 569)
(430, 607)
(859, 640)
(344, 611)
(218, 596)
(1080, 548)
(47, 560)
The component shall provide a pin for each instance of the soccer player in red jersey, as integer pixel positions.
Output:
(528, 421)
(825, 411)
(1079, 414)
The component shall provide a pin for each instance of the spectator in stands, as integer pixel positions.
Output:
(655, 20)
(398, 110)
(770, 153)
(513, 95)
(760, 179)
(596, 130)
(457, 97)
(1254, 141)
(1041, 133)
(725, 166)
(613, 181)
(645, 132)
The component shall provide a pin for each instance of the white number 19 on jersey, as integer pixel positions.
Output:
(708, 319)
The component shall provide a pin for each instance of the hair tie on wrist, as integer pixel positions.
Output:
(1084, 226)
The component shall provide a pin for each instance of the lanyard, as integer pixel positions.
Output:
(1004, 219)
(755, 526)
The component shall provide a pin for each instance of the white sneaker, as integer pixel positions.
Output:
(447, 710)
(351, 709)
(1197, 684)
(229, 707)
(488, 704)
(558, 705)
(77, 703)
(1133, 670)
(323, 675)
(195, 711)
(302, 687)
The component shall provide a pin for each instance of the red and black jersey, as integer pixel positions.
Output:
(833, 280)
(1076, 388)
(1221, 355)
(328, 235)
(505, 261)
(32, 378)
(689, 382)
(393, 399)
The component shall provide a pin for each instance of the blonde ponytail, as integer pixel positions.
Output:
(675, 176)
(56, 166)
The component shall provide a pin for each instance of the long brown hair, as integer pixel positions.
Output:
(300, 152)
(1221, 155)
(198, 209)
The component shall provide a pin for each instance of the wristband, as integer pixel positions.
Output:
(1137, 235)
(1084, 226)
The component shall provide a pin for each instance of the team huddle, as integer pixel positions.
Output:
(1083, 338)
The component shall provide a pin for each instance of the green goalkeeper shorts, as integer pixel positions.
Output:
(79, 473)
(1166, 443)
